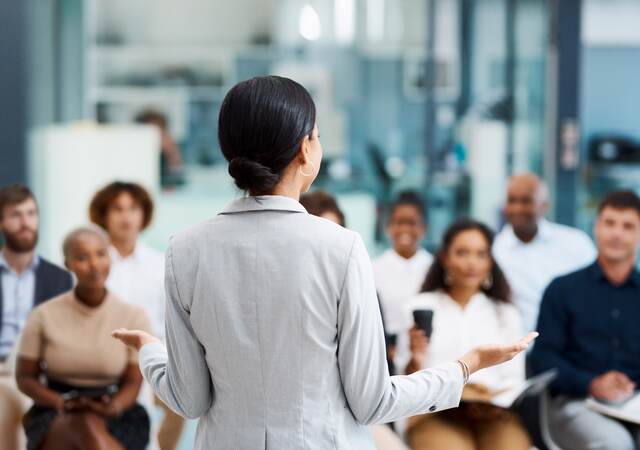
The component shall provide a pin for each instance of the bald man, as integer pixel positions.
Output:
(533, 251)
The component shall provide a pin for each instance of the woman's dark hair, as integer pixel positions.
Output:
(104, 198)
(409, 198)
(320, 202)
(150, 116)
(261, 124)
(498, 291)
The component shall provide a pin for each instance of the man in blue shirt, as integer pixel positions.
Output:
(589, 328)
(25, 281)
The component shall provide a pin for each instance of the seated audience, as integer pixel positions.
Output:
(125, 210)
(589, 332)
(91, 381)
(400, 271)
(531, 250)
(469, 297)
(26, 280)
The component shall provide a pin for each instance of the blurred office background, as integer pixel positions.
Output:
(448, 97)
(445, 96)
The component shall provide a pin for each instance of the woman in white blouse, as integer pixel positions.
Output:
(469, 296)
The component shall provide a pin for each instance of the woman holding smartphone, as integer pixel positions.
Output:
(468, 296)
(274, 337)
(89, 398)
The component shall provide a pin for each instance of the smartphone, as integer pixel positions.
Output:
(391, 339)
(94, 393)
(424, 320)
(70, 395)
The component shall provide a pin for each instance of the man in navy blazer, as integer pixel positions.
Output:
(26, 280)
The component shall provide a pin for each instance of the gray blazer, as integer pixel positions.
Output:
(274, 336)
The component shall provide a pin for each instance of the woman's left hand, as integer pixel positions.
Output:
(134, 338)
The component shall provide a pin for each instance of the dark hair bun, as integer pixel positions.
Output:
(261, 125)
(250, 174)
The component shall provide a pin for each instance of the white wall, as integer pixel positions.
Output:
(202, 22)
(185, 22)
(69, 163)
(611, 23)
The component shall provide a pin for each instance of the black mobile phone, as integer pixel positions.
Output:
(424, 320)
(93, 393)
(70, 395)
(391, 339)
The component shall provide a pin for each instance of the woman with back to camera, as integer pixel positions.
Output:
(470, 299)
(274, 337)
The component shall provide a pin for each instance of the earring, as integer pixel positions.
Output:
(447, 279)
(487, 282)
(307, 174)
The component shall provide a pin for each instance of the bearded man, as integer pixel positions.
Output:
(26, 280)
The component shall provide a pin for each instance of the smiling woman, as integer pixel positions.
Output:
(400, 271)
(89, 397)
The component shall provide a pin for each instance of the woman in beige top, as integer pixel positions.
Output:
(92, 382)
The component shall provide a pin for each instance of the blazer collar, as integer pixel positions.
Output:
(264, 203)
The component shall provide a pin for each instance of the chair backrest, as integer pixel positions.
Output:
(545, 429)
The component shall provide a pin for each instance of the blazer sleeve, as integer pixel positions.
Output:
(179, 374)
(374, 396)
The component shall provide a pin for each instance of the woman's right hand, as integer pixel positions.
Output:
(490, 355)
(134, 338)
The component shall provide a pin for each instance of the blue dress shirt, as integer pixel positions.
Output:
(18, 295)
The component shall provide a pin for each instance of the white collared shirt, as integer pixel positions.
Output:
(18, 292)
(139, 279)
(457, 330)
(397, 280)
(529, 267)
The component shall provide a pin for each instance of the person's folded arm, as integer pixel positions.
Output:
(179, 375)
(549, 351)
(374, 396)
